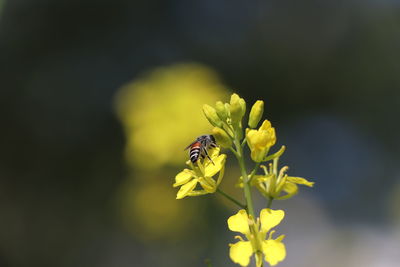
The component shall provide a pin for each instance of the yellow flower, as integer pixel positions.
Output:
(273, 250)
(203, 174)
(259, 141)
(272, 185)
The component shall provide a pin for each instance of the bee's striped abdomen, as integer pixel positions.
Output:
(194, 152)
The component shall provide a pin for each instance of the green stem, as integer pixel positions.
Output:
(244, 142)
(231, 199)
(234, 152)
(270, 202)
(254, 171)
(247, 192)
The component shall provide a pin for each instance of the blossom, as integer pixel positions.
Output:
(259, 141)
(258, 243)
(201, 173)
(273, 185)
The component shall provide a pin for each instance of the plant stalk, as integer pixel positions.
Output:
(231, 199)
(246, 186)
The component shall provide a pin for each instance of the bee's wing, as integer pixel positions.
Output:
(190, 144)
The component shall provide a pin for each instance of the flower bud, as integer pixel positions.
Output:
(212, 116)
(256, 113)
(227, 107)
(237, 108)
(222, 137)
(242, 105)
(221, 110)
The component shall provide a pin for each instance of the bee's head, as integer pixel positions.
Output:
(212, 138)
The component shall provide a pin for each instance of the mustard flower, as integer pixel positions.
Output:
(273, 185)
(259, 141)
(258, 243)
(201, 173)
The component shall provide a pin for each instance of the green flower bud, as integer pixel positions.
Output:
(211, 115)
(256, 113)
(242, 105)
(222, 137)
(228, 108)
(221, 110)
(237, 109)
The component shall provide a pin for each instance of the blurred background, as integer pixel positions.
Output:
(99, 98)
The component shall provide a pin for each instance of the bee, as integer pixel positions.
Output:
(200, 146)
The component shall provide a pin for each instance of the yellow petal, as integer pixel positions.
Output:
(219, 162)
(263, 138)
(274, 251)
(183, 177)
(250, 137)
(265, 125)
(213, 153)
(241, 252)
(299, 180)
(186, 189)
(239, 222)
(270, 218)
(290, 188)
(258, 155)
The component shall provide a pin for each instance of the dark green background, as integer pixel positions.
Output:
(328, 71)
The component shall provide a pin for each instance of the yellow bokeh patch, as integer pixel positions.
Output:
(161, 112)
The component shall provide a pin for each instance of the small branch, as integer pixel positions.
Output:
(231, 199)
(243, 142)
(254, 171)
(234, 152)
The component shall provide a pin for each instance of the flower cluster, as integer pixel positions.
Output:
(273, 182)
(201, 174)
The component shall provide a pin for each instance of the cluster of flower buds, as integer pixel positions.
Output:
(226, 119)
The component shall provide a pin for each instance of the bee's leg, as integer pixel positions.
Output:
(206, 153)
(212, 144)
